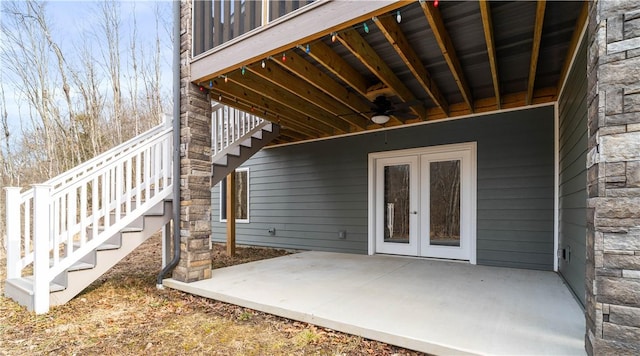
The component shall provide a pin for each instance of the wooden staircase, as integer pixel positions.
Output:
(227, 162)
(65, 233)
(94, 264)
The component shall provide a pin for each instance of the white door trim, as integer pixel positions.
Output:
(397, 248)
(372, 194)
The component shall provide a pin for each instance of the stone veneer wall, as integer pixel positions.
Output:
(195, 165)
(613, 218)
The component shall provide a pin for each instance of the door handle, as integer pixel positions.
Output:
(414, 212)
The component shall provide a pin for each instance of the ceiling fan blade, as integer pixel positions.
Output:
(407, 104)
(357, 113)
(404, 115)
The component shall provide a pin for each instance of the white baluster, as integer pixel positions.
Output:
(138, 180)
(118, 196)
(83, 213)
(127, 185)
(214, 128)
(41, 231)
(95, 204)
(157, 153)
(71, 218)
(167, 159)
(27, 237)
(147, 174)
(12, 216)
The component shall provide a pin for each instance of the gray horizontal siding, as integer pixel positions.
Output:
(309, 192)
(572, 113)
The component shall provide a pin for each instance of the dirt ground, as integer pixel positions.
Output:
(123, 313)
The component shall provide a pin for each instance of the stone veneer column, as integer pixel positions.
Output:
(613, 218)
(195, 165)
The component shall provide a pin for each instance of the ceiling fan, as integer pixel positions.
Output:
(384, 108)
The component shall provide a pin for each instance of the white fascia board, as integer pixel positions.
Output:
(321, 17)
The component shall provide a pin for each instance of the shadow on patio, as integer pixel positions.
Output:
(431, 306)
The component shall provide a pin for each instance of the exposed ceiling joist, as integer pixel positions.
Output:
(352, 40)
(535, 51)
(326, 92)
(280, 77)
(338, 66)
(293, 134)
(314, 76)
(448, 50)
(398, 40)
(286, 98)
(487, 24)
(244, 95)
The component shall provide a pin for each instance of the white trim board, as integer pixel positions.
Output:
(469, 116)
(471, 205)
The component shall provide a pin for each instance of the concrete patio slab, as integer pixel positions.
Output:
(432, 306)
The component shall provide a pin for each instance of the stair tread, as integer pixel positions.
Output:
(132, 229)
(26, 284)
(54, 287)
(108, 247)
(125, 229)
(81, 266)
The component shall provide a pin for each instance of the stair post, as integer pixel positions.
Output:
(12, 225)
(231, 214)
(41, 246)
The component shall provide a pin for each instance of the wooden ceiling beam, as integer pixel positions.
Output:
(487, 24)
(280, 77)
(314, 76)
(352, 40)
(573, 45)
(251, 81)
(255, 99)
(324, 55)
(398, 40)
(535, 50)
(448, 50)
(294, 135)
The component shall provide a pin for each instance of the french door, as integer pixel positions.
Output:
(425, 202)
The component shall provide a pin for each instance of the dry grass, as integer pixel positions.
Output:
(123, 313)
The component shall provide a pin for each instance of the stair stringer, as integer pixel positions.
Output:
(226, 164)
(78, 280)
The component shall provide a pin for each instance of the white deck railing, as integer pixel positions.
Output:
(231, 125)
(55, 224)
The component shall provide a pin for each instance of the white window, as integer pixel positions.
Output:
(242, 197)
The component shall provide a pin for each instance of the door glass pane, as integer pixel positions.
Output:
(396, 203)
(445, 203)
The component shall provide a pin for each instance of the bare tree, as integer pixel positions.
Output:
(69, 115)
(110, 26)
(26, 55)
(133, 75)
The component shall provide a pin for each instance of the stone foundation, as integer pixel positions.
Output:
(613, 219)
(195, 166)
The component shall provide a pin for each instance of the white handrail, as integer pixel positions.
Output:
(231, 125)
(104, 157)
(54, 224)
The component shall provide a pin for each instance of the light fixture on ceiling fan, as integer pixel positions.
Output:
(380, 119)
(384, 108)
